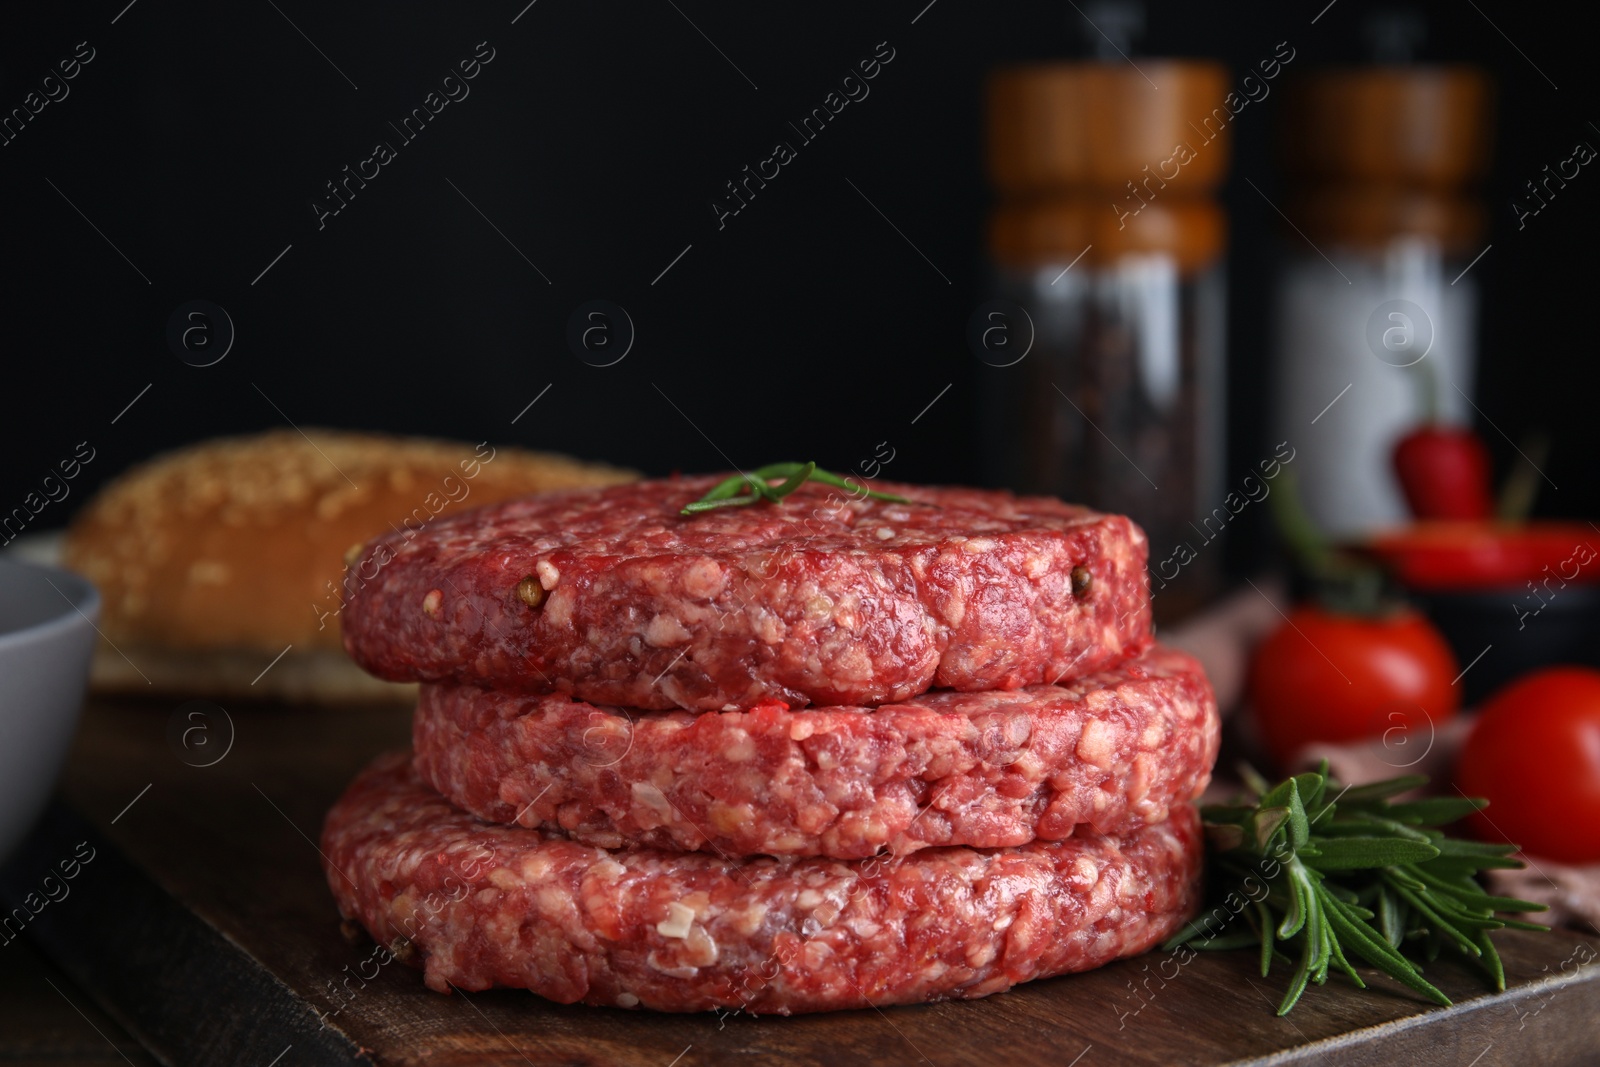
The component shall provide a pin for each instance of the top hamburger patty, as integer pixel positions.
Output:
(610, 595)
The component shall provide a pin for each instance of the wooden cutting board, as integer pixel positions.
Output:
(203, 926)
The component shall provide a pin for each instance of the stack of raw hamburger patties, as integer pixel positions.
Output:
(820, 753)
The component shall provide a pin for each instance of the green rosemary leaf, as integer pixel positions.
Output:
(1462, 867)
(1269, 823)
(1317, 928)
(1228, 814)
(1191, 930)
(777, 470)
(829, 478)
(726, 488)
(1224, 837)
(725, 502)
(1460, 859)
(1366, 915)
(1278, 795)
(1400, 829)
(1344, 964)
(1243, 939)
(1354, 875)
(1344, 893)
(1312, 786)
(1253, 780)
(1464, 919)
(726, 493)
(1490, 959)
(1436, 811)
(1391, 917)
(1297, 984)
(1437, 923)
(1344, 826)
(1264, 934)
(794, 481)
(1455, 846)
(1370, 823)
(1181, 938)
(1383, 790)
(1402, 876)
(1382, 956)
(1294, 920)
(1472, 895)
(1352, 853)
(757, 482)
(1299, 822)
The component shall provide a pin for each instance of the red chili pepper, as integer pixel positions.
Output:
(1444, 472)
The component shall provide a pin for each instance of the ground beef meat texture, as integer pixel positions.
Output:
(1112, 752)
(480, 905)
(613, 597)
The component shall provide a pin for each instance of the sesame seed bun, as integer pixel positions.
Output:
(213, 559)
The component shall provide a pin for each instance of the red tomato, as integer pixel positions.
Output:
(1324, 676)
(1535, 753)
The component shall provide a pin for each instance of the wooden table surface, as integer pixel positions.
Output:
(204, 929)
(46, 1018)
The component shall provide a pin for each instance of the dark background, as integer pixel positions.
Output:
(595, 141)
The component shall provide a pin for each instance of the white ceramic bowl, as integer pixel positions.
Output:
(46, 638)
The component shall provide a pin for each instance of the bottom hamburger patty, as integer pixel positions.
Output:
(481, 905)
(1111, 752)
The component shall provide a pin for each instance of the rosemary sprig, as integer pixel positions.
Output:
(1342, 873)
(757, 486)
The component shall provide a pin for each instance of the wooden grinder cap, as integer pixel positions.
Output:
(1066, 139)
(1416, 126)
(1097, 125)
(1386, 152)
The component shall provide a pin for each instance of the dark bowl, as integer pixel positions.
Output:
(1501, 633)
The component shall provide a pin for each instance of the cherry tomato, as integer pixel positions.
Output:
(1444, 473)
(1535, 753)
(1324, 676)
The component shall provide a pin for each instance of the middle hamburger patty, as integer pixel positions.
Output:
(1112, 752)
(612, 596)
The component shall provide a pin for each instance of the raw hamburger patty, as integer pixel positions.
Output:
(485, 905)
(1114, 751)
(821, 599)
